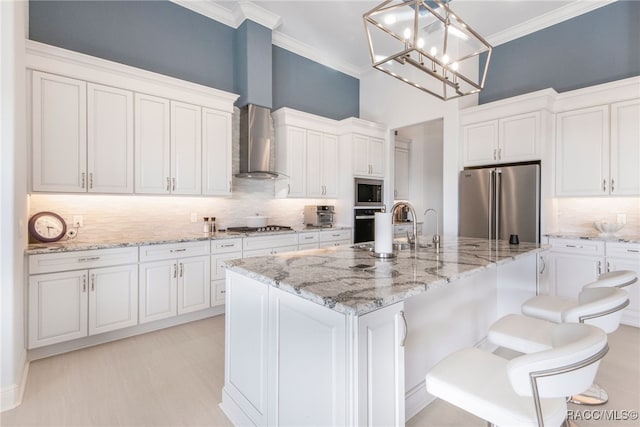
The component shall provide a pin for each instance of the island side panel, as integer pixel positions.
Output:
(517, 282)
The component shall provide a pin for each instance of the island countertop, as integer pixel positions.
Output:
(350, 280)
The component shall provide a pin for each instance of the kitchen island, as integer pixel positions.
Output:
(338, 337)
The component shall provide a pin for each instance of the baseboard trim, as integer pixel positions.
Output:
(631, 319)
(11, 396)
(233, 411)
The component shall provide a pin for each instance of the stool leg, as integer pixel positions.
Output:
(593, 396)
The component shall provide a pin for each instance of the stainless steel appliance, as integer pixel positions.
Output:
(318, 215)
(256, 137)
(368, 192)
(364, 226)
(498, 201)
(265, 229)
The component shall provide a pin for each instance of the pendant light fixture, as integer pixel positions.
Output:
(425, 44)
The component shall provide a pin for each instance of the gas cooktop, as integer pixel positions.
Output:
(266, 228)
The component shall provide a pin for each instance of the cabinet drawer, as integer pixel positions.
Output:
(331, 236)
(226, 245)
(306, 238)
(269, 251)
(629, 251)
(65, 261)
(173, 250)
(217, 270)
(271, 241)
(577, 246)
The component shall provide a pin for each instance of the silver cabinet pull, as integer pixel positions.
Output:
(84, 283)
(83, 175)
(173, 184)
(288, 189)
(228, 245)
(612, 185)
(499, 153)
(604, 185)
(599, 268)
(93, 258)
(175, 270)
(181, 269)
(406, 329)
(544, 266)
(90, 179)
(608, 266)
(168, 184)
(574, 246)
(308, 238)
(93, 282)
(634, 251)
(178, 250)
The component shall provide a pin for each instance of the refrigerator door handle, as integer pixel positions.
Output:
(491, 181)
(497, 195)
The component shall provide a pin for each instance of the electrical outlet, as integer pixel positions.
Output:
(77, 221)
(194, 217)
(622, 218)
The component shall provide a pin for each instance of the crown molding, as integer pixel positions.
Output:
(242, 10)
(210, 10)
(245, 9)
(571, 10)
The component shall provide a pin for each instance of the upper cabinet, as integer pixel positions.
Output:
(82, 136)
(401, 169)
(307, 155)
(598, 150)
(100, 127)
(367, 141)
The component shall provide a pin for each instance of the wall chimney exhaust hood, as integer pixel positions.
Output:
(256, 137)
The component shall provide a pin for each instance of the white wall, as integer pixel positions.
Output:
(13, 24)
(385, 99)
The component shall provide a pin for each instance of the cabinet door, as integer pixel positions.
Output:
(569, 273)
(307, 346)
(631, 314)
(625, 148)
(519, 138)
(57, 307)
(480, 143)
(152, 145)
(401, 174)
(582, 152)
(216, 152)
(186, 148)
(296, 162)
(360, 148)
(376, 156)
(158, 282)
(194, 289)
(59, 156)
(110, 139)
(113, 298)
(247, 315)
(330, 165)
(314, 164)
(381, 336)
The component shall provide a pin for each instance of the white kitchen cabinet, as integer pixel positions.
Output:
(505, 140)
(328, 238)
(322, 161)
(308, 240)
(59, 134)
(573, 263)
(186, 148)
(401, 170)
(625, 148)
(216, 152)
(381, 388)
(291, 160)
(582, 152)
(368, 156)
(269, 245)
(626, 256)
(152, 145)
(222, 250)
(174, 279)
(110, 139)
(76, 294)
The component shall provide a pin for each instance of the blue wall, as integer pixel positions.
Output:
(305, 85)
(597, 47)
(163, 37)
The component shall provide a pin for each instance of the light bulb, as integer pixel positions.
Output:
(390, 19)
(455, 66)
(407, 33)
(433, 51)
(445, 59)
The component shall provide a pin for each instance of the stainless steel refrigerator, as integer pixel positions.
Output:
(498, 201)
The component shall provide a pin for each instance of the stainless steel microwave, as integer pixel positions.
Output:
(368, 192)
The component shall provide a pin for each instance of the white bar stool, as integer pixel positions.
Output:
(529, 390)
(530, 333)
(615, 279)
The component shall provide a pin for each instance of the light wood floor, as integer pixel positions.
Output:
(174, 377)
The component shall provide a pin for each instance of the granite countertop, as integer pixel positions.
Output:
(153, 238)
(593, 236)
(349, 280)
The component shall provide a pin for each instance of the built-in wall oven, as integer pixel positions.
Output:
(364, 223)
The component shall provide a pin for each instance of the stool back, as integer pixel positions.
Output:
(600, 306)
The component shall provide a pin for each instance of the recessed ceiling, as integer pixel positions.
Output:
(332, 31)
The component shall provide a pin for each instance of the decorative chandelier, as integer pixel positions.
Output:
(425, 44)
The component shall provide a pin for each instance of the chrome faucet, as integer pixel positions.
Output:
(414, 218)
(436, 237)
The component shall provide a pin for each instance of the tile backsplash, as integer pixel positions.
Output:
(577, 214)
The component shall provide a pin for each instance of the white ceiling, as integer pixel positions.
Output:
(332, 31)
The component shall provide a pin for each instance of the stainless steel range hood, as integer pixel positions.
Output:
(256, 137)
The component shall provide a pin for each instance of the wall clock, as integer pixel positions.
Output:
(47, 227)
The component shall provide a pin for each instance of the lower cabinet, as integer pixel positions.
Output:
(289, 361)
(334, 238)
(74, 304)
